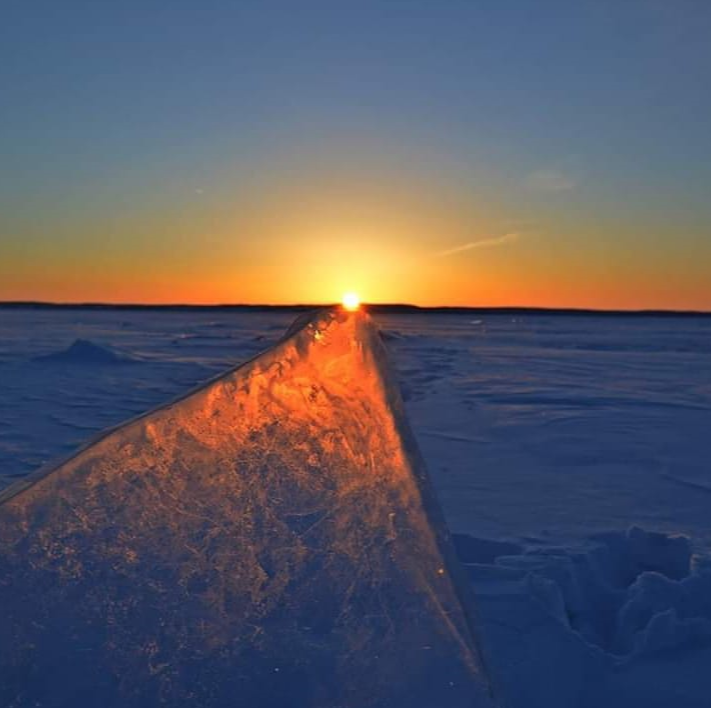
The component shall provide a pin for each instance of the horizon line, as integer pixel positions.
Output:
(375, 307)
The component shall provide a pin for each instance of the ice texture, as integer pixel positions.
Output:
(268, 540)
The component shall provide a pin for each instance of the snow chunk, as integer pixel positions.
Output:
(638, 551)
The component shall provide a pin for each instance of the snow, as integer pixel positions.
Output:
(570, 454)
(87, 353)
(591, 627)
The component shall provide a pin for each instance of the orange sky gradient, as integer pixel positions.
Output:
(395, 240)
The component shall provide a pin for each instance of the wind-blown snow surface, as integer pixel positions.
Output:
(548, 439)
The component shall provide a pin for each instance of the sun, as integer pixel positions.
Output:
(351, 301)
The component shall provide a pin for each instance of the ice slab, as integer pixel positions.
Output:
(270, 540)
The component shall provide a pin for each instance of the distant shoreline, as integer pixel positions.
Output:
(380, 308)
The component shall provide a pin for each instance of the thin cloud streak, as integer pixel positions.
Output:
(551, 181)
(484, 243)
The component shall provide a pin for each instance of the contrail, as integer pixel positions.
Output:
(484, 243)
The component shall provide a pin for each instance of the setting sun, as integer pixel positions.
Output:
(351, 301)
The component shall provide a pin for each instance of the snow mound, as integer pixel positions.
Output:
(627, 555)
(86, 352)
(269, 540)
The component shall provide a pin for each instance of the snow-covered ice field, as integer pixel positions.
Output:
(570, 454)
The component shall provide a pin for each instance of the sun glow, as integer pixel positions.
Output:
(351, 301)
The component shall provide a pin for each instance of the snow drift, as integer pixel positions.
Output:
(83, 351)
(268, 540)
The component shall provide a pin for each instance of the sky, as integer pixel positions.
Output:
(436, 152)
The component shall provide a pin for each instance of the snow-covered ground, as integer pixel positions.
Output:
(570, 453)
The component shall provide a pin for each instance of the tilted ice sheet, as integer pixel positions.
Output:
(269, 540)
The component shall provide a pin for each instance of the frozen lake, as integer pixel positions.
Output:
(571, 452)
(536, 429)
